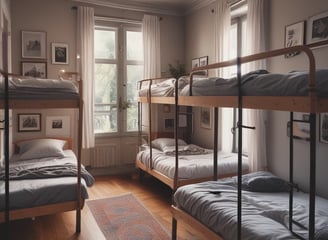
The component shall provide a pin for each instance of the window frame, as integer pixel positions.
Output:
(121, 62)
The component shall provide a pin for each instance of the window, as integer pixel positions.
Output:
(118, 67)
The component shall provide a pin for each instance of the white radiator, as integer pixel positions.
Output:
(105, 155)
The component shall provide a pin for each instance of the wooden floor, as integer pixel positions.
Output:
(155, 196)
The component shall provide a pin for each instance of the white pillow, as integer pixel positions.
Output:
(161, 143)
(41, 148)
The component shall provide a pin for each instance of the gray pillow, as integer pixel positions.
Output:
(41, 148)
(266, 184)
(161, 143)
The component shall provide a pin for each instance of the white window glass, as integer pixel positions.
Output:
(134, 51)
(118, 67)
(105, 44)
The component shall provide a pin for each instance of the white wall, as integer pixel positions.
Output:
(283, 13)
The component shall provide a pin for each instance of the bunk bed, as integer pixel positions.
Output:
(19, 92)
(178, 163)
(242, 225)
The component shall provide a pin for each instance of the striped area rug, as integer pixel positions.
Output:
(125, 218)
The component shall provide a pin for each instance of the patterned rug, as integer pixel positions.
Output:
(125, 218)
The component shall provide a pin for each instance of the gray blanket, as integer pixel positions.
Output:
(51, 171)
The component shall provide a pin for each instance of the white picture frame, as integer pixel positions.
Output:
(294, 36)
(58, 126)
(59, 53)
(29, 122)
(194, 63)
(317, 28)
(34, 69)
(34, 44)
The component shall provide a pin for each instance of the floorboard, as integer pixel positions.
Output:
(154, 195)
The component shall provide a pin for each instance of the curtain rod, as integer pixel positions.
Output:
(120, 20)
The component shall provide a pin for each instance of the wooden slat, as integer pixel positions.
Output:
(40, 210)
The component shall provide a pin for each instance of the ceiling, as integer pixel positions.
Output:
(171, 7)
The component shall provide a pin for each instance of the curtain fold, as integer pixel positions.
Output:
(256, 43)
(221, 43)
(85, 65)
(151, 46)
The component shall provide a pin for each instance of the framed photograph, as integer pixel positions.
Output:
(168, 124)
(34, 69)
(205, 118)
(34, 44)
(59, 53)
(294, 36)
(323, 128)
(29, 122)
(194, 63)
(203, 61)
(317, 28)
(58, 126)
(301, 127)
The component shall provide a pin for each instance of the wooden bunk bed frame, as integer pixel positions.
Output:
(7, 104)
(311, 104)
(175, 182)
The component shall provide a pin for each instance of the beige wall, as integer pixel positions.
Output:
(294, 11)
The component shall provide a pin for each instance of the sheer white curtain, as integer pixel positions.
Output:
(256, 42)
(151, 45)
(222, 36)
(85, 49)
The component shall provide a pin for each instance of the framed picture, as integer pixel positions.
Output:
(58, 126)
(301, 127)
(194, 63)
(29, 122)
(317, 28)
(168, 124)
(34, 44)
(205, 118)
(59, 53)
(323, 129)
(203, 61)
(34, 69)
(294, 36)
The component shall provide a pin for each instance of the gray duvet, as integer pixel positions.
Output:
(43, 181)
(37, 88)
(264, 214)
(261, 83)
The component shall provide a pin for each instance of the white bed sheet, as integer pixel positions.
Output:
(192, 166)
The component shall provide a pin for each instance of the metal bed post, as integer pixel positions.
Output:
(291, 169)
(240, 147)
(150, 125)
(6, 149)
(215, 154)
(312, 175)
(176, 173)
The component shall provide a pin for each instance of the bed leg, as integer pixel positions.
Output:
(141, 175)
(174, 229)
(78, 221)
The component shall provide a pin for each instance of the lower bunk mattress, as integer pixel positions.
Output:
(265, 204)
(43, 181)
(192, 166)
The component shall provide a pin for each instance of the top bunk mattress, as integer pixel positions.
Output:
(261, 83)
(164, 88)
(39, 88)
